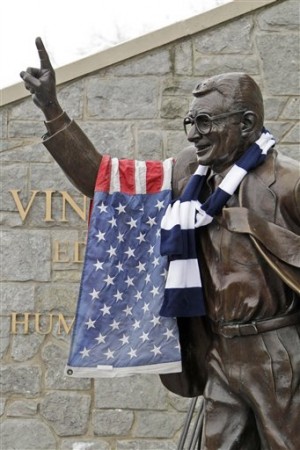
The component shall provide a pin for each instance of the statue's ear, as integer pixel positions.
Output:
(248, 123)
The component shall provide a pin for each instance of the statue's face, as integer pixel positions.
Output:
(223, 144)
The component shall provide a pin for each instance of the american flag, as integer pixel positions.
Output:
(118, 330)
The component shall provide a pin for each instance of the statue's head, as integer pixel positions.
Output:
(225, 117)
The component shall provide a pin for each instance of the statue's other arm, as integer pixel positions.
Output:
(66, 142)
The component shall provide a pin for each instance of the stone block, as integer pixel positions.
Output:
(291, 150)
(111, 137)
(122, 98)
(155, 62)
(26, 346)
(183, 58)
(3, 123)
(26, 434)
(58, 297)
(50, 176)
(7, 145)
(23, 380)
(136, 392)
(280, 63)
(25, 255)
(25, 129)
(26, 110)
(273, 107)
(234, 37)
(67, 413)
(156, 424)
(2, 405)
(173, 107)
(181, 404)
(180, 86)
(21, 408)
(55, 357)
(4, 334)
(146, 444)
(176, 141)
(292, 108)
(113, 422)
(279, 128)
(284, 15)
(22, 153)
(17, 298)
(71, 96)
(150, 145)
(206, 66)
(79, 444)
(293, 135)
(13, 176)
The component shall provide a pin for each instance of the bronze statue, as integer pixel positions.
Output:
(244, 355)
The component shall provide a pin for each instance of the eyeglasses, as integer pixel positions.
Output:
(203, 122)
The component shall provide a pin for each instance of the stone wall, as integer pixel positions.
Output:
(133, 109)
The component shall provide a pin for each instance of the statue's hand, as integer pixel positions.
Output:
(41, 83)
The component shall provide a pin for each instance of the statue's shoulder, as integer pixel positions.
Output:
(185, 165)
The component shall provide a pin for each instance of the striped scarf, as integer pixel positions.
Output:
(184, 295)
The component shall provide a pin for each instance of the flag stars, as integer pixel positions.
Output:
(112, 251)
(129, 281)
(119, 266)
(113, 222)
(151, 250)
(137, 324)
(90, 323)
(155, 262)
(155, 320)
(169, 334)
(159, 205)
(132, 223)
(151, 221)
(138, 295)
(109, 354)
(129, 252)
(85, 353)
(100, 236)
(109, 280)
(147, 278)
(118, 296)
(156, 350)
(124, 339)
(164, 274)
(141, 237)
(98, 265)
(102, 208)
(145, 308)
(101, 339)
(120, 209)
(105, 310)
(115, 325)
(155, 291)
(141, 267)
(94, 294)
(145, 337)
(120, 237)
(128, 310)
(132, 353)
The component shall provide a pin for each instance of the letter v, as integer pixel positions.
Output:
(23, 212)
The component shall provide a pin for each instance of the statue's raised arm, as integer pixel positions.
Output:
(67, 143)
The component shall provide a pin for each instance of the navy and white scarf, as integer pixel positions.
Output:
(184, 295)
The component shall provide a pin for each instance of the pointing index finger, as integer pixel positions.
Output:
(43, 55)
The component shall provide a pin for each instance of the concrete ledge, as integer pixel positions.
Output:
(141, 44)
